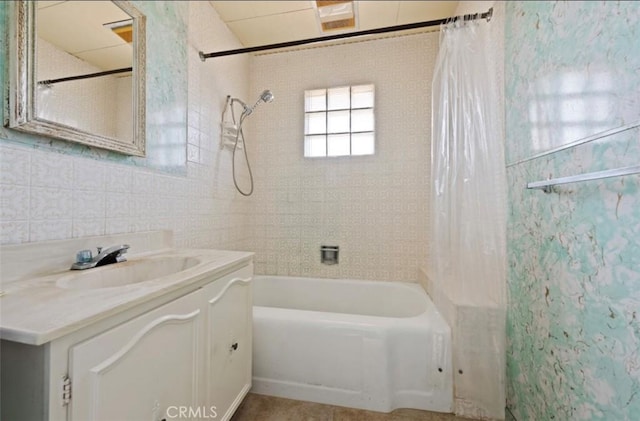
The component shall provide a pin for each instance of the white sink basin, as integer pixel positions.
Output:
(126, 273)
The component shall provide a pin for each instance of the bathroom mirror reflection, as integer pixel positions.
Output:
(78, 73)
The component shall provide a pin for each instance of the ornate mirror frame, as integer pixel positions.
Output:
(23, 85)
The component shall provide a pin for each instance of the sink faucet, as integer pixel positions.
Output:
(106, 256)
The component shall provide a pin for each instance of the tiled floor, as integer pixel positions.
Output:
(269, 408)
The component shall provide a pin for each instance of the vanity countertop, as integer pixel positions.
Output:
(37, 310)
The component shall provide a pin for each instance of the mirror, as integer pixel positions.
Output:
(77, 72)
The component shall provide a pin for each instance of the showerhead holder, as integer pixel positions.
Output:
(228, 136)
(231, 135)
(245, 108)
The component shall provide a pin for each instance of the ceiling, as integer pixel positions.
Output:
(77, 28)
(268, 22)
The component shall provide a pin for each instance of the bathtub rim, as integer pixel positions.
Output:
(431, 313)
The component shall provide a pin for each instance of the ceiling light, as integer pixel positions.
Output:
(122, 28)
(338, 14)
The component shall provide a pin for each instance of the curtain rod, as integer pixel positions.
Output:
(486, 15)
(87, 76)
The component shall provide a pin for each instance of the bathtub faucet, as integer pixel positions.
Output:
(106, 256)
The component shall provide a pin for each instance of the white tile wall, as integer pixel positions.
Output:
(46, 195)
(373, 207)
(15, 167)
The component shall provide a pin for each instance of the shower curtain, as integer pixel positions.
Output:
(467, 169)
(468, 210)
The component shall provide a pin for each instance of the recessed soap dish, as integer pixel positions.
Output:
(329, 255)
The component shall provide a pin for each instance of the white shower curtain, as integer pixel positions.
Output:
(468, 204)
(468, 214)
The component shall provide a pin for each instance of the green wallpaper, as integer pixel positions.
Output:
(573, 69)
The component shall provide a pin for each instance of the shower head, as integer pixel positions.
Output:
(266, 96)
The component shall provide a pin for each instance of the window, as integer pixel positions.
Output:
(339, 121)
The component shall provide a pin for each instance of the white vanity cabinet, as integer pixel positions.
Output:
(183, 355)
(228, 343)
(136, 371)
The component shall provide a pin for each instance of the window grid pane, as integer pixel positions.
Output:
(315, 146)
(339, 121)
(362, 120)
(339, 98)
(362, 96)
(338, 145)
(362, 144)
(315, 123)
(315, 100)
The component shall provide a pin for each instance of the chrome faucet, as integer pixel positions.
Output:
(106, 256)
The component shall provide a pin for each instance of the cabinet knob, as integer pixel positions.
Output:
(234, 346)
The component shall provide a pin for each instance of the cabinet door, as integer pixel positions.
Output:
(142, 368)
(228, 338)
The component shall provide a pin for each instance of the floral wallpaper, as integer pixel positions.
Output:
(572, 70)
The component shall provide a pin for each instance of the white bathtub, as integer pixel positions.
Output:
(360, 344)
